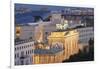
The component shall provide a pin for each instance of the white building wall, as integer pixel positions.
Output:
(24, 47)
(85, 34)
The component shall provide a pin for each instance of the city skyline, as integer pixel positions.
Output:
(53, 34)
(25, 13)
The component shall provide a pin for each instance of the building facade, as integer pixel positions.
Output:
(85, 34)
(23, 52)
(24, 32)
(69, 39)
(61, 45)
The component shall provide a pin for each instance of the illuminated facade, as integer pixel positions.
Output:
(69, 39)
(18, 31)
(61, 45)
(43, 56)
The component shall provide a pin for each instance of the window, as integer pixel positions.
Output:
(15, 49)
(36, 59)
(28, 52)
(17, 55)
(20, 48)
(22, 53)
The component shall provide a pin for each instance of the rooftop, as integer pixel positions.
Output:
(18, 41)
(52, 50)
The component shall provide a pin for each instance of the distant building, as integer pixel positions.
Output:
(24, 32)
(85, 33)
(56, 17)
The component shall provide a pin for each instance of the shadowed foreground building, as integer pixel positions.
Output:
(61, 45)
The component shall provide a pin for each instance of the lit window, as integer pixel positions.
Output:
(37, 59)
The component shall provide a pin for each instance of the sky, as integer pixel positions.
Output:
(38, 7)
(28, 17)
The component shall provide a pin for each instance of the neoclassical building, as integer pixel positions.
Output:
(69, 39)
(61, 45)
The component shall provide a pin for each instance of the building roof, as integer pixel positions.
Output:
(63, 33)
(17, 42)
(52, 51)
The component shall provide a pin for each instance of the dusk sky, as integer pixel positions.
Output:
(38, 7)
(29, 16)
